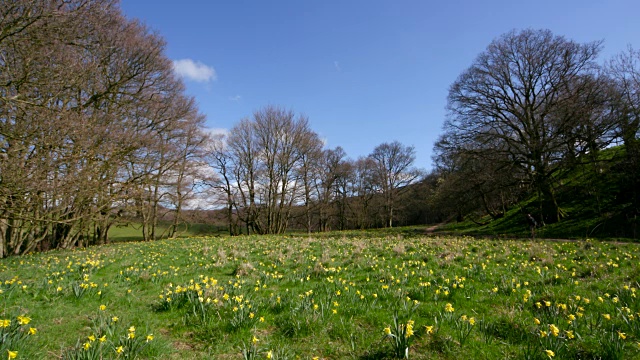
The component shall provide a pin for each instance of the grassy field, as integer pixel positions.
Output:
(133, 231)
(347, 296)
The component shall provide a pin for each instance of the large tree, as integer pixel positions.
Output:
(512, 104)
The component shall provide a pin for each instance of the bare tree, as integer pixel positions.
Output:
(268, 153)
(510, 99)
(221, 161)
(330, 169)
(393, 170)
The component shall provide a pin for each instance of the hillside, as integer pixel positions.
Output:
(593, 199)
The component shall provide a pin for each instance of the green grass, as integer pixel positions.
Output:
(132, 231)
(330, 297)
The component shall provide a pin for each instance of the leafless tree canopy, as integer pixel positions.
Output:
(517, 101)
(91, 118)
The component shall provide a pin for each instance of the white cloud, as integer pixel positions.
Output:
(217, 131)
(236, 98)
(336, 65)
(194, 70)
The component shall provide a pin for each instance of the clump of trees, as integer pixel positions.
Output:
(274, 173)
(531, 107)
(93, 124)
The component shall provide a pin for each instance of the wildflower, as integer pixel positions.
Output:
(428, 329)
(535, 320)
(269, 354)
(472, 321)
(132, 329)
(554, 330)
(114, 319)
(86, 345)
(91, 338)
(119, 349)
(12, 354)
(131, 335)
(449, 308)
(387, 331)
(23, 320)
(149, 337)
(410, 328)
(606, 316)
(622, 335)
(570, 334)
(103, 338)
(550, 353)
(32, 331)
(254, 340)
(103, 307)
(261, 318)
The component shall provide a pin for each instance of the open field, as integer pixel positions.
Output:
(324, 298)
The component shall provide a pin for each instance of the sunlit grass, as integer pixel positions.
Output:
(355, 295)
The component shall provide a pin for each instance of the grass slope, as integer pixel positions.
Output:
(335, 297)
(591, 198)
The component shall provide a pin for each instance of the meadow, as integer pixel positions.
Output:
(346, 296)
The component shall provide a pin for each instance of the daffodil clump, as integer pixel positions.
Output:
(400, 336)
(15, 334)
(109, 339)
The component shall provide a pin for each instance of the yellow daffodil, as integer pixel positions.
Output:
(387, 330)
(550, 353)
(12, 354)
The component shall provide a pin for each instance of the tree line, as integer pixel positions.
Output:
(273, 173)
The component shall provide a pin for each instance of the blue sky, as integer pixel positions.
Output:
(364, 71)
